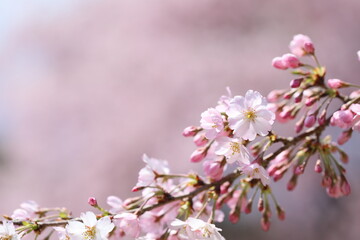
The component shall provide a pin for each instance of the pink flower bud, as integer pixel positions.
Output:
(248, 207)
(280, 213)
(224, 187)
(295, 83)
(292, 183)
(318, 167)
(278, 175)
(299, 125)
(137, 188)
(92, 202)
(322, 118)
(274, 95)
(343, 157)
(234, 215)
(344, 137)
(265, 224)
(310, 101)
(298, 97)
(309, 47)
(299, 170)
(345, 187)
(337, 83)
(260, 204)
(326, 181)
(213, 169)
(200, 140)
(310, 120)
(279, 64)
(198, 155)
(190, 131)
(290, 60)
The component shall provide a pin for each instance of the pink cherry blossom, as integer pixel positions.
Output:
(301, 45)
(224, 101)
(257, 172)
(27, 211)
(342, 119)
(355, 108)
(116, 204)
(249, 116)
(128, 225)
(212, 123)
(194, 229)
(147, 174)
(233, 150)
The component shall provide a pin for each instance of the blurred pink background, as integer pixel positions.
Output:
(87, 87)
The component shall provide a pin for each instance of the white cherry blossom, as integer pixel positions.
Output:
(249, 116)
(233, 150)
(90, 228)
(194, 229)
(7, 231)
(212, 123)
(257, 172)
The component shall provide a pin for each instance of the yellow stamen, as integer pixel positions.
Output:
(235, 147)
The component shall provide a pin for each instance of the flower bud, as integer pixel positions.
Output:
(200, 140)
(310, 120)
(343, 156)
(344, 137)
(299, 125)
(213, 169)
(198, 155)
(190, 131)
(318, 167)
(279, 63)
(280, 213)
(309, 48)
(337, 83)
(260, 204)
(326, 181)
(224, 187)
(265, 223)
(234, 215)
(248, 207)
(298, 96)
(274, 95)
(322, 118)
(345, 187)
(290, 60)
(292, 183)
(92, 202)
(310, 101)
(295, 83)
(299, 170)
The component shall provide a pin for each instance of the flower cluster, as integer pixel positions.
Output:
(240, 154)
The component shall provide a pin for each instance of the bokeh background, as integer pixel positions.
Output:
(87, 87)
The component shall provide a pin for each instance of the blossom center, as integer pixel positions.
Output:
(89, 233)
(250, 114)
(235, 147)
(6, 237)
